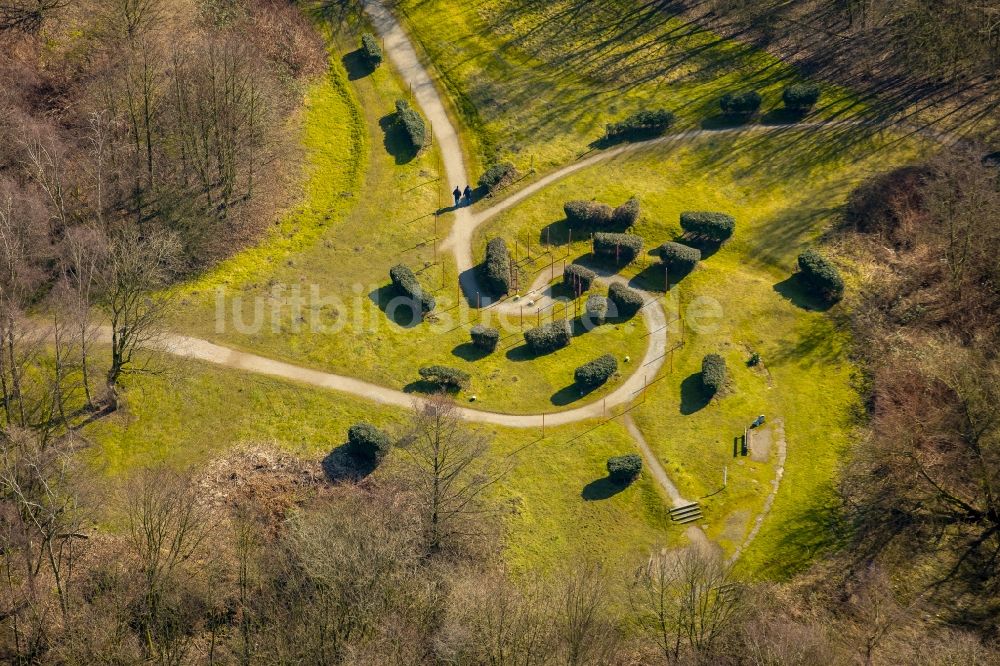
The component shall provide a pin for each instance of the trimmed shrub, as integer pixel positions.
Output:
(578, 278)
(713, 372)
(821, 276)
(679, 257)
(412, 123)
(548, 337)
(640, 124)
(371, 49)
(627, 214)
(498, 176)
(496, 267)
(623, 247)
(596, 308)
(623, 470)
(627, 301)
(407, 285)
(444, 377)
(366, 442)
(801, 97)
(717, 227)
(596, 372)
(484, 337)
(740, 105)
(588, 213)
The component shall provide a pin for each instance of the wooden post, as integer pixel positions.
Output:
(725, 475)
(666, 278)
(570, 241)
(548, 235)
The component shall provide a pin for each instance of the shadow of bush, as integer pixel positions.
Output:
(601, 489)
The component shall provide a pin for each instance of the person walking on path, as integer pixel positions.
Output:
(458, 195)
(468, 194)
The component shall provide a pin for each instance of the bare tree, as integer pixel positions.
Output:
(585, 628)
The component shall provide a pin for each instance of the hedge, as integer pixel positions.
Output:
(801, 97)
(714, 226)
(596, 372)
(624, 469)
(679, 257)
(498, 176)
(713, 372)
(640, 123)
(740, 105)
(406, 283)
(627, 214)
(821, 276)
(627, 301)
(444, 377)
(412, 123)
(588, 213)
(367, 442)
(496, 267)
(484, 337)
(596, 308)
(578, 278)
(548, 337)
(371, 49)
(623, 247)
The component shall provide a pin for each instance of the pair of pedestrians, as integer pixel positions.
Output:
(458, 194)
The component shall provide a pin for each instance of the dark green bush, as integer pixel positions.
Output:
(407, 285)
(366, 442)
(371, 49)
(484, 337)
(412, 123)
(679, 257)
(498, 176)
(578, 278)
(623, 470)
(713, 226)
(821, 276)
(801, 97)
(596, 372)
(627, 214)
(713, 372)
(640, 124)
(496, 267)
(596, 308)
(622, 247)
(548, 337)
(740, 105)
(444, 377)
(627, 301)
(588, 213)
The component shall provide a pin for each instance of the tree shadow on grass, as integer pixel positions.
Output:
(556, 233)
(430, 388)
(694, 395)
(782, 116)
(721, 122)
(402, 310)
(601, 489)
(357, 65)
(571, 393)
(469, 352)
(791, 289)
(520, 354)
(340, 465)
(395, 139)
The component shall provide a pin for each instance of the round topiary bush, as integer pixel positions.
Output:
(596, 372)
(679, 257)
(444, 377)
(581, 213)
(623, 470)
(627, 301)
(484, 337)
(412, 123)
(496, 267)
(407, 285)
(596, 309)
(578, 278)
(800, 98)
(713, 372)
(497, 177)
(740, 106)
(371, 50)
(640, 124)
(716, 227)
(627, 214)
(548, 337)
(820, 276)
(366, 442)
(623, 248)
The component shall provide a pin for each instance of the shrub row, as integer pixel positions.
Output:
(596, 372)
(548, 337)
(713, 226)
(640, 124)
(444, 377)
(406, 283)
(596, 214)
(821, 276)
(498, 176)
(371, 50)
(623, 247)
(625, 469)
(679, 257)
(412, 123)
(596, 308)
(578, 278)
(713, 372)
(496, 267)
(484, 337)
(627, 301)
(740, 105)
(801, 97)
(366, 442)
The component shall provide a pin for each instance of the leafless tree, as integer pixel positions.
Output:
(585, 628)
